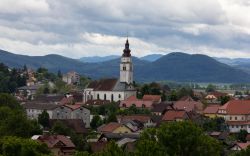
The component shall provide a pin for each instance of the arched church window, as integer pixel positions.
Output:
(98, 96)
(119, 96)
(105, 97)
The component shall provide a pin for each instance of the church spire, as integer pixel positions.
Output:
(126, 51)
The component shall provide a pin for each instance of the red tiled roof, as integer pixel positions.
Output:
(141, 118)
(188, 106)
(211, 109)
(186, 98)
(52, 140)
(132, 98)
(109, 128)
(237, 107)
(243, 145)
(172, 115)
(154, 98)
(217, 94)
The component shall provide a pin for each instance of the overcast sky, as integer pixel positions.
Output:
(77, 28)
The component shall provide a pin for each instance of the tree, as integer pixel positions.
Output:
(43, 119)
(96, 122)
(59, 74)
(224, 99)
(14, 146)
(9, 101)
(183, 139)
(210, 88)
(172, 96)
(111, 118)
(245, 152)
(242, 135)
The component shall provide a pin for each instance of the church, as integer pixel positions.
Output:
(114, 89)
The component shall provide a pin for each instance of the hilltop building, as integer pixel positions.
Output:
(114, 89)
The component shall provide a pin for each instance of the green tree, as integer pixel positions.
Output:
(14, 146)
(9, 101)
(43, 119)
(242, 135)
(183, 139)
(224, 99)
(211, 88)
(96, 122)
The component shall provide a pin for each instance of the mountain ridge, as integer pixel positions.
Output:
(174, 66)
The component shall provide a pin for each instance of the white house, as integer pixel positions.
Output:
(236, 114)
(114, 89)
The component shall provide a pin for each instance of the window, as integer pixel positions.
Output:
(98, 96)
(112, 97)
(105, 97)
(230, 118)
(235, 118)
(119, 96)
(143, 106)
(232, 126)
(124, 68)
(241, 126)
(237, 126)
(124, 105)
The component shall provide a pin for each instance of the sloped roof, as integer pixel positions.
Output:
(211, 109)
(154, 98)
(243, 145)
(172, 115)
(161, 107)
(110, 127)
(39, 106)
(237, 107)
(188, 105)
(103, 84)
(53, 140)
(141, 118)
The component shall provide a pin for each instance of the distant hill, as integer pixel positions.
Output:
(240, 63)
(96, 59)
(151, 58)
(174, 66)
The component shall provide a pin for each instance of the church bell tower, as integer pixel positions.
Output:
(126, 66)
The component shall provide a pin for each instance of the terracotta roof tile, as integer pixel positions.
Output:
(237, 107)
(109, 128)
(154, 98)
(188, 105)
(141, 118)
(103, 84)
(211, 109)
(52, 140)
(172, 115)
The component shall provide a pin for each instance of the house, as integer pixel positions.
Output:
(71, 77)
(186, 98)
(33, 109)
(96, 103)
(222, 136)
(27, 91)
(113, 127)
(144, 119)
(211, 111)
(189, 106)
(175, 115)
(118, 136)
(59, 145)
(214, 97)
(98, 146)
(113, 89)
(160, 108)
(72, 112)
(236, 114)
(154, 98)
(48, 98)
(138, 103)
(238, 146)
(76, 124)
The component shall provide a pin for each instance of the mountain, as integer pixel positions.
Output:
(240, 63)
(151, 58)
(174, 66)
(194, 68)
(95, 59)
